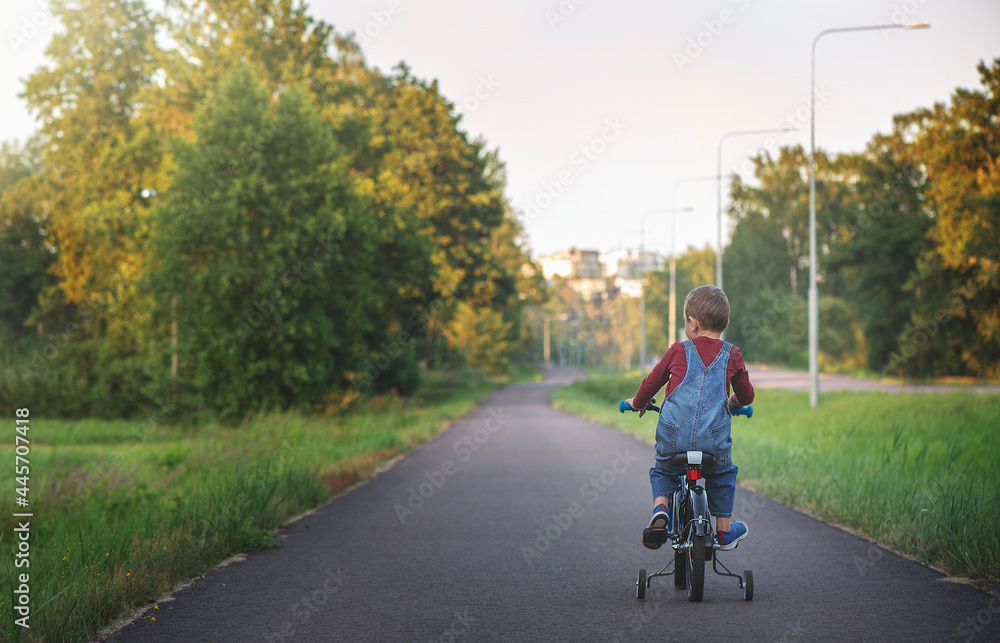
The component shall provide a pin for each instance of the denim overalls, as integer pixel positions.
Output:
(695, 418)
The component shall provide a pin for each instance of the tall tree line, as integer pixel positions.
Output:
(291, 223)
(909, 244)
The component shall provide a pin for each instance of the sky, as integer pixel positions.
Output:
(599, 108)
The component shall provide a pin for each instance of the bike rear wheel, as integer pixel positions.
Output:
(680, 570)
(696, 569)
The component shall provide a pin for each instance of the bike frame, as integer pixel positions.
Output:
(692, 537)
(692, 518)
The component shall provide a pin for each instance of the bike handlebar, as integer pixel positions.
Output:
(625, 406)
(744, 410)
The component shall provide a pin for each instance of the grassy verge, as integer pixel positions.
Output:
(123, 511)
(916, 472)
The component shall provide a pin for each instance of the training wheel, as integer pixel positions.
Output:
(640, 585)
(748, 585)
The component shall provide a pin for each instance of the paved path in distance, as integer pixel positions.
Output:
(770, 377)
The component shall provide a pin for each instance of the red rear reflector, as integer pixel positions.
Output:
(693, 474)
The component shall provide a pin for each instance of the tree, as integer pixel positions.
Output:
(482, 336)
(264, 242)
(957, 281)
(876, 253)
(98, 157)
(766, 262)
(25, 247)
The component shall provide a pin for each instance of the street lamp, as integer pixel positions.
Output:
(149, 193)
(547, 347)
(672, 324)
(718, 254)
(642, 284)
(813, 291)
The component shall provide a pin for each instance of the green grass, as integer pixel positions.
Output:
(124, 510)
(917, 472)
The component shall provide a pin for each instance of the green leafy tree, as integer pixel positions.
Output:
(265, 245)
(25, 250)
(98, 158)
(957, 280)
(876, 253)
(482, 337)
(767, 261)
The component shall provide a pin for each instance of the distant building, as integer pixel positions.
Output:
(628, 287)
(572, 264)
(601, 276)
(628, 264)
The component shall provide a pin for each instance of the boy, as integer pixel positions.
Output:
(695, 414)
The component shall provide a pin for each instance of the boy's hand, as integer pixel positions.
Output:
(733, 402)
(642, 411)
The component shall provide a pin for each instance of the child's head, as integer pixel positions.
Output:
(710, 306)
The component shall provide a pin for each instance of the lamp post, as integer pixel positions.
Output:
(813, 291)
(672, 324)
(642, 282)
(547, 349)
(718, 254)
(148, 193)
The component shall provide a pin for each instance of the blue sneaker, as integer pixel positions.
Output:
(658, 530)
(729, 539)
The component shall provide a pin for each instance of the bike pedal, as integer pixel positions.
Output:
(659, 536)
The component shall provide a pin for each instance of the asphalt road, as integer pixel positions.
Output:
(522, 523)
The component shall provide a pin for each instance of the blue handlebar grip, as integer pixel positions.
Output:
(744, 410)
(624, 406)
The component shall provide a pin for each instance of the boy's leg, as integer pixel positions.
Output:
(721, 488)
(663, 485)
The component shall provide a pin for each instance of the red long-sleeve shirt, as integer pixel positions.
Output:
(672, 367)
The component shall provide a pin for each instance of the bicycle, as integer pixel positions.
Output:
(691, 537)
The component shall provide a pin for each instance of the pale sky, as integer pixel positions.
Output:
(645, 88)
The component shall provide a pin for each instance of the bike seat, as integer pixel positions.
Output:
(697, 458)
